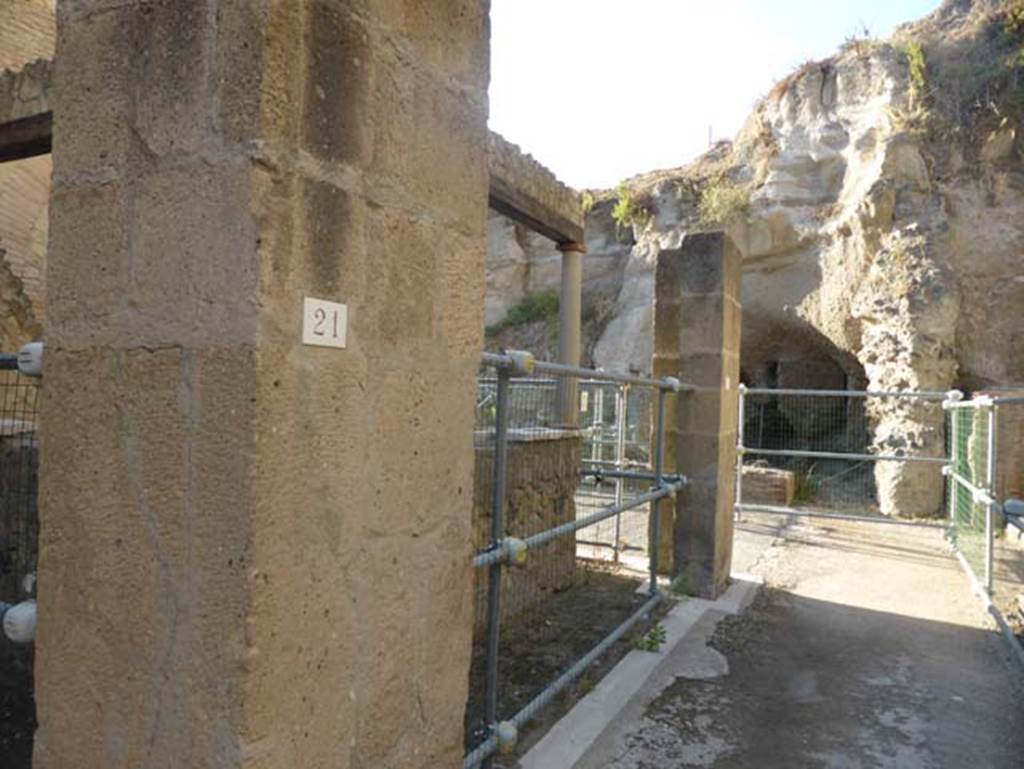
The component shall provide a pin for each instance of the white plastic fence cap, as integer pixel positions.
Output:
(20, 622)
(30, 359)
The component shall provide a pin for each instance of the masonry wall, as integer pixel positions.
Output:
(542, 477)
(255, 553)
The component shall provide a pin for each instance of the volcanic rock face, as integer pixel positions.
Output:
(884, 236)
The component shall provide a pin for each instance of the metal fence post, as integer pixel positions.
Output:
(990, 488)
(621, 404)
(659, 457)
(739, 452)
(497, 534)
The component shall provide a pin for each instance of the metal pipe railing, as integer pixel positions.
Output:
(500, 552)
(506, 552)
(628, 475)
(840, 455)
(655, 526)
(914, 394)
(812, 513)
(515, 359)
(491, 745)
(497, 534)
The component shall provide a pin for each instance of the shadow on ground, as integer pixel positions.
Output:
(819, 684)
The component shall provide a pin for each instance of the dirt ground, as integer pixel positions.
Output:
(866, 651)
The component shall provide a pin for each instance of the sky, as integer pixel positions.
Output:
(601, 90)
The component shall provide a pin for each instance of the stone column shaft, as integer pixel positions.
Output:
(570, 312)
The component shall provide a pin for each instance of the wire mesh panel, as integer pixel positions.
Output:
(987, 503)
(553, 475)
(847, 453)
(616, 423)
(19, 532)
(969, 467)
(19, 402)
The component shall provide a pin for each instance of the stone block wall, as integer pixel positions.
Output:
(256, 553)
(542, 476)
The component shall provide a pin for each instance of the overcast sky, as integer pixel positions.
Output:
(600, 90)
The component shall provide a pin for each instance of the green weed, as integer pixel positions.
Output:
(652, 640)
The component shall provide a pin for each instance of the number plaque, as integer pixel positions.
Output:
(324, 323)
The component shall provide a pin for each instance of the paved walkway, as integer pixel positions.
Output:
(866, 649)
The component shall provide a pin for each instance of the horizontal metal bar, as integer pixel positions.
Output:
(840, 455)
(615, 463)
(581, 523)
(549, 381)
(1003, 400)
(500, 553)
(986, 401)
(778, 510)
(978, 494)
(610, 376)
(920, 394)
(8, 362)
(975, 403)
(631, 475)
(520, 719)
(587, 374)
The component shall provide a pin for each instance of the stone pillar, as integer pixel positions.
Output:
(570, 313)
(254, 552)
(697, 339)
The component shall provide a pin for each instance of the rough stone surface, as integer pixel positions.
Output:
(697, 336)
(883, 247)
(24, 192)
(519, 180)
(252, 552)
(25, 91)
(768, 486)
(542, 476)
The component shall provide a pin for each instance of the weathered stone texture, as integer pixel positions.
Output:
(697, 338)
(25, 91)
(542, 477)
(253, 553)
(768, 486)
(520, 182)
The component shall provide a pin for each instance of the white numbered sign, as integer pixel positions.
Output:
(324, 323)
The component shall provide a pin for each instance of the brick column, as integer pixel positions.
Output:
(255, 552)
(697, 339)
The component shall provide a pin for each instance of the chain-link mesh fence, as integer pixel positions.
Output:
(846, 453)
(566, 469)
